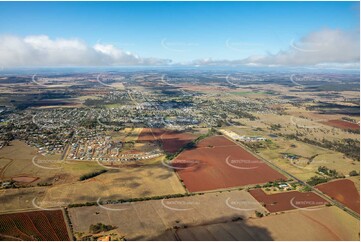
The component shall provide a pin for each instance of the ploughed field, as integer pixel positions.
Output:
(288, 200)
(35, 225)
(171, 140)
(342, 124)
(343, 191)
(218, 163)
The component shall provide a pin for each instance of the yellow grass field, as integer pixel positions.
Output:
(115, 184)
(149, 219)
(328, 223)
(127, 182)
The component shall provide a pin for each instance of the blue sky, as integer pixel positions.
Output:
(180, 31)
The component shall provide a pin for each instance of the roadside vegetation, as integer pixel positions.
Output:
(315, 180)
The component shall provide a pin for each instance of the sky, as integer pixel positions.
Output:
(318, 34)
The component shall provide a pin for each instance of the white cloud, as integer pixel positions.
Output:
(328, 47)
(42, 51)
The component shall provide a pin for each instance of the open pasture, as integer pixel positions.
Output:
(148, 220)
(328, 223)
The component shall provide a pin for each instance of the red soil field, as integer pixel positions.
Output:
(25, 179)
(171, 140)
(343, 191)
(287, 200)
(217, 163)
(342, 124)
(36, 225)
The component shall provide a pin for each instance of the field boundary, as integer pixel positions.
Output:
(318, 192)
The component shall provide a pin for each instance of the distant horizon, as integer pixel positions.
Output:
(228, 69)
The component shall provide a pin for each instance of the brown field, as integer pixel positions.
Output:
(287, 200)
(343, 191)
(219, 163)
(150, 219)
(342, 124)
(171, 140)
(36, 225)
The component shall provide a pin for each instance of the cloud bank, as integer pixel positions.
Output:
(42, 51)
(328, 48)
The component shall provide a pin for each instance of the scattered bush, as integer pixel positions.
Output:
(259, 214)
(315, 180)
(99, 227)
(353, 173)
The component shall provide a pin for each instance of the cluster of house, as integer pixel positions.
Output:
(103, 148)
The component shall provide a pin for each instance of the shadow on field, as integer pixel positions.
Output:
(235, 229)
(165, 176)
